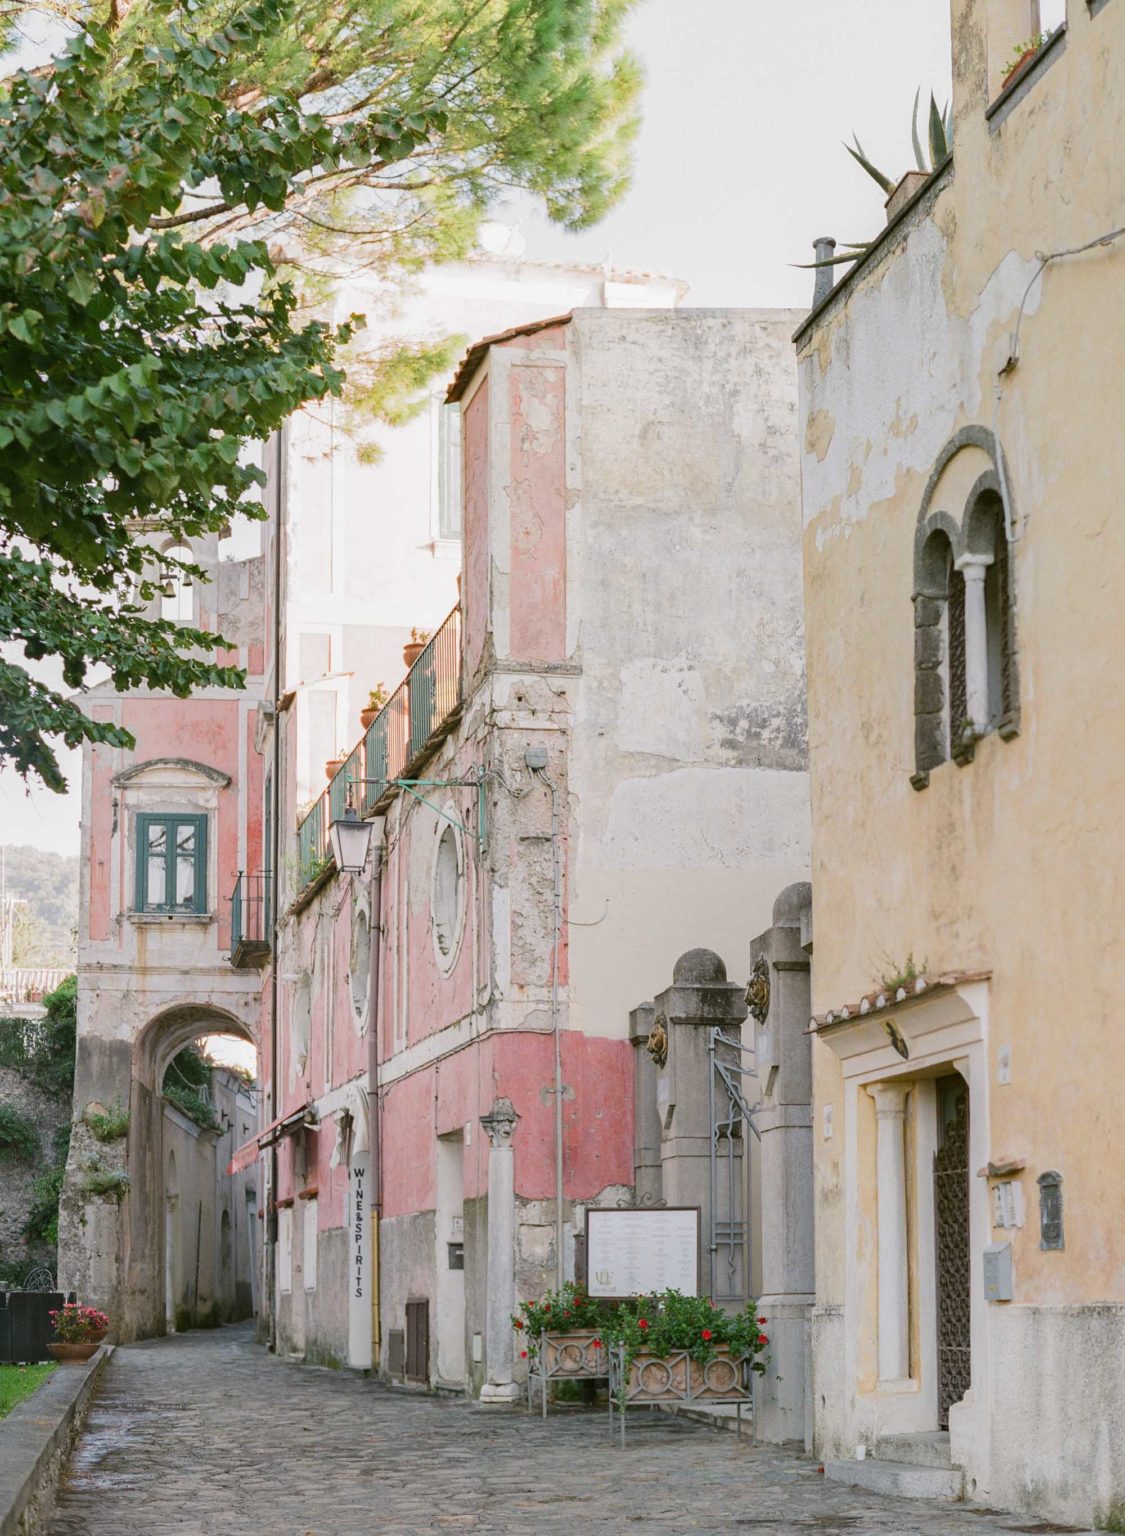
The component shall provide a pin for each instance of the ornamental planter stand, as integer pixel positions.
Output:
(677, 1379)
(567, 1357)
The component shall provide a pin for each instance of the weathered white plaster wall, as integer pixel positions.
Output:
(687, 785)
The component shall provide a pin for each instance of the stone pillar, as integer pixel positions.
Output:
(699, 999)
(973, 568)
(890, 1183)
(647, 1182)
(500, 1388)
(780, 1006)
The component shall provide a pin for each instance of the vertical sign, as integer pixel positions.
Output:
(359, 1261)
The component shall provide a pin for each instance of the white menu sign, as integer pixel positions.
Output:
(636, 1251)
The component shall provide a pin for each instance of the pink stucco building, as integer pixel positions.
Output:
(596, 764)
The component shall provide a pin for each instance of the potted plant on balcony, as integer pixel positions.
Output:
(674, 1348)
(419, 639)
(375, 701)
(1022, 55)
(334, 764)
(78, 1330)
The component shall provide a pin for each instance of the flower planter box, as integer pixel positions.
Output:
(677, 1379)
(566, 1357)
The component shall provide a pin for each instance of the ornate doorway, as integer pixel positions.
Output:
(951, 1211)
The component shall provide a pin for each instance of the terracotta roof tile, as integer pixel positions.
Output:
(884, 999)
(475, 355)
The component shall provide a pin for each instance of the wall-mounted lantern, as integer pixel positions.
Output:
(350, 839)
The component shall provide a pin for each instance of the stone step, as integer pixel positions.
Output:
(900, 1479)
(926, 1448)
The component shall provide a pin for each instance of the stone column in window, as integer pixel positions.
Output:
(890, 1177)
(973, 568)
(500, 1125)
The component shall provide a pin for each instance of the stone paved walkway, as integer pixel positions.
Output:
(208, 1433)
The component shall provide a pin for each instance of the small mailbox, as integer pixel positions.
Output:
(998, 1272)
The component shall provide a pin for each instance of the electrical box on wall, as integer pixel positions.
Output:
(998, 1272)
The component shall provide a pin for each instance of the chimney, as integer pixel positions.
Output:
(824, 248)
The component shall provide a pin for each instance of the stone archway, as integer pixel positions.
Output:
(120, 1200)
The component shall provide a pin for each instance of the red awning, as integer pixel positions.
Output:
(285, 1125)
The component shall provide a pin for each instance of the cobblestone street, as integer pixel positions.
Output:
(208, 1433)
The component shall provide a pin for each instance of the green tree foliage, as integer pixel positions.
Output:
(43, 1051)
(48, 883)
(18, 1137)
(142, 345)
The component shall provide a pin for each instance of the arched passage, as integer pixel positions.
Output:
(179, 1149)
(141, 1219)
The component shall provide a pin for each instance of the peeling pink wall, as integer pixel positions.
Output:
(537, 504)
(477, 534)
(100, 813)
(597, 1130)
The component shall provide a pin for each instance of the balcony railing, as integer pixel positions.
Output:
(421, 704)
(250, 917)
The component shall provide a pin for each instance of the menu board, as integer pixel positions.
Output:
(639, 1250)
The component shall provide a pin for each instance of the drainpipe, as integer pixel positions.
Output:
(536, 760)
(374, 1119)
(275, 882)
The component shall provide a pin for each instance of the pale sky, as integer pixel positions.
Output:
(739, 166)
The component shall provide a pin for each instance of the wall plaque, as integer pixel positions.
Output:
(636, 1251)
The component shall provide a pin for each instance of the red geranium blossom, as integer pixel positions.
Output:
(518, 1322)
(642, 1322)
(763, 1319)
(762, 1339)
(597, 1343)
(706, 1333)
(523, 1354)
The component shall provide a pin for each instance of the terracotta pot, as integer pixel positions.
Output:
(1018, 67)
(98, 1335)
(72, 1354)
(412, 650)
(332, 767)
(366, 716)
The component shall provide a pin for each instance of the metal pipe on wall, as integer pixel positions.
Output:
(374, 1118)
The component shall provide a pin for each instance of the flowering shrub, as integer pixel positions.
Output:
(568, 1310)
(77, 1325)
(659, 1325)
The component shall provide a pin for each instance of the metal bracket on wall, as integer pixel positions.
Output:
(411, 786)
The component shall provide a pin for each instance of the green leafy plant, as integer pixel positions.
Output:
(378, 696)
(42, 1223)
(939, 143)
(101, 1181)
(112, 1125)
(904, 975)
(19, 1138)
(569, 1310)
(187, 1082)
(666, 1323)
(1024, 51)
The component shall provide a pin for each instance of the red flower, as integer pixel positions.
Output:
(762, 1339)
(518, 1322)
(597, 1343)
(523, 1354)
(762, 1319)
(706, 1333)
(642, 1322)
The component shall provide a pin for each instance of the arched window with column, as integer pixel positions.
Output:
(177, 599)
(965, 674)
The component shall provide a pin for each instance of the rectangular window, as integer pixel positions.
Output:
(171, 863)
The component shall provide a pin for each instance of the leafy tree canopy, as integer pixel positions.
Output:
(145, 335)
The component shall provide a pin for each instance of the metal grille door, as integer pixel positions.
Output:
(951, 1206)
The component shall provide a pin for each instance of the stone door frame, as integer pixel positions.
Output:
(943, 1031)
